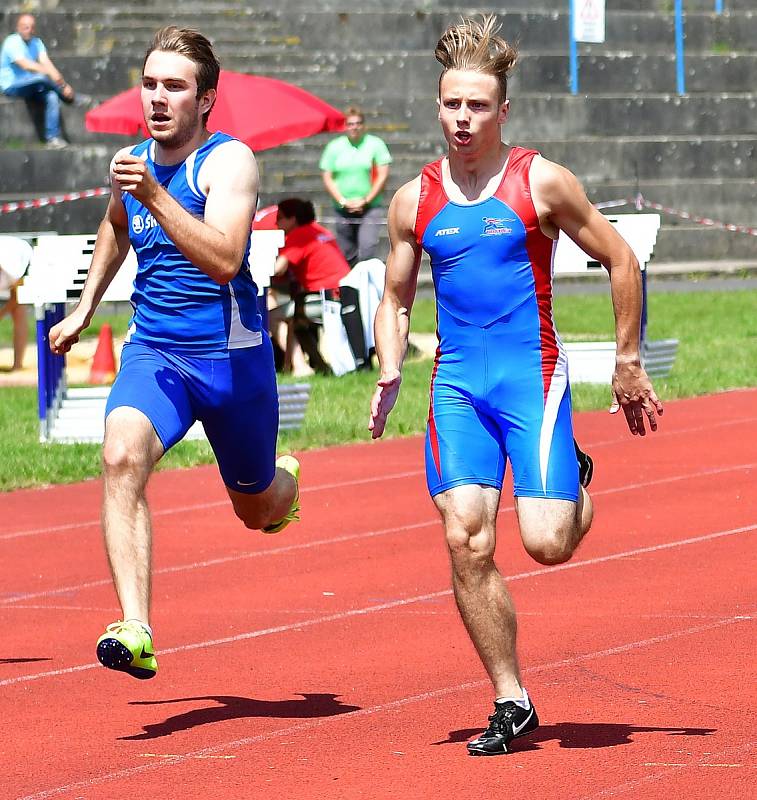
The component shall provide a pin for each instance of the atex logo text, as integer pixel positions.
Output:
(138, 224)
(447, 231)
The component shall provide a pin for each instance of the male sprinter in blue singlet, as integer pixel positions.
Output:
(196, 348)
(488, 216)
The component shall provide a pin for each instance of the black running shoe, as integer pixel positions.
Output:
(585, 466)
(508, 722)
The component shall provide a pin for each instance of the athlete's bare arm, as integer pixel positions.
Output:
(392, 322)
(111, 248)
(562, 205)
(215, 244)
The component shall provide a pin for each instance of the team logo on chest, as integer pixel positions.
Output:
(139, 223)
(447, 231)
(495, 226)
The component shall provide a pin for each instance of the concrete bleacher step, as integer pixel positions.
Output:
(415, 72)
(599, 159)
(731, 202)
(536, 30)
(698, 242)
(532, 114)
(543, 114)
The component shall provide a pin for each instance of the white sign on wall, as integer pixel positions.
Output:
(589, 21)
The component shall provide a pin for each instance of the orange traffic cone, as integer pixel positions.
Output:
(104, 363)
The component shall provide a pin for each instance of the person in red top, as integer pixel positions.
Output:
(313, 258)
(310, 250)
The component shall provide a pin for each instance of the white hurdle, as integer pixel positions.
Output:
(56, 277)
(594, 362)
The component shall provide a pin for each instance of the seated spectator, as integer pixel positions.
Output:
(15, 255)
(317, 265)
(27, 71)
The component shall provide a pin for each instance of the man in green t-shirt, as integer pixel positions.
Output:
(355, 168)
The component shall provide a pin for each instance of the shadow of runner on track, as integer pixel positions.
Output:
(580, 735)
(312, 705)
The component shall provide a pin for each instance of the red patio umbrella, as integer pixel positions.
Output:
(262, 112)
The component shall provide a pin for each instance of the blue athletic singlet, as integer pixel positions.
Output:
(178, 307)
(499, 388)
(196, 349)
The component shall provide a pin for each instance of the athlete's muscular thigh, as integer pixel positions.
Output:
(548, 527)
(130, 443)
(469, 514)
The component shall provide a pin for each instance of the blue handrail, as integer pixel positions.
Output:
(573, 49)
(680, 69)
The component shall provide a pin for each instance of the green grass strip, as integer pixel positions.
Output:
(717, 332)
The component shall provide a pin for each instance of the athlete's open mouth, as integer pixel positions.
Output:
(463, 137)
(160, 118)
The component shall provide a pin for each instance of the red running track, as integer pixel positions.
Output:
(329, 662)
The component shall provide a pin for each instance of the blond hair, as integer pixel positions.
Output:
(355, 111)
(475, 46)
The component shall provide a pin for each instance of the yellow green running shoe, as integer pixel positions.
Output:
(127, 647)
(292, 466)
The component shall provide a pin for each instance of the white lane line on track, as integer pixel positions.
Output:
(213, 562)
(236, 744)
(17, 598)
(633, 785)
(165, 512)
(665, 434)
(355, 482)
(357, 612)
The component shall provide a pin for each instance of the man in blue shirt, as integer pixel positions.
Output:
(26, 71)
(196, 349)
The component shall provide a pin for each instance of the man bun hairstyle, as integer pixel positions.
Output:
(474, 45)
(194, 46)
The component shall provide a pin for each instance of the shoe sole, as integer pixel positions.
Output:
(277, 527)
(114, 655)
(474, 752)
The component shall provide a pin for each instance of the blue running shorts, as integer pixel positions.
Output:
(234, 397)
(492, 401)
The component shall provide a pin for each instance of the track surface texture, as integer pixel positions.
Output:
(330, 662)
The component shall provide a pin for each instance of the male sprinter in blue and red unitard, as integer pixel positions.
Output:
(488, 216)
(196, 348)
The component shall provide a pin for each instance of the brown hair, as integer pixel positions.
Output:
(301, 210)
(473, 45)
(194, 46)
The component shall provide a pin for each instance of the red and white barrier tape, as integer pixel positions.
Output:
(40, 202)
(640, 202)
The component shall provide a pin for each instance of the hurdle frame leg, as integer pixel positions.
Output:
(51, 368)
